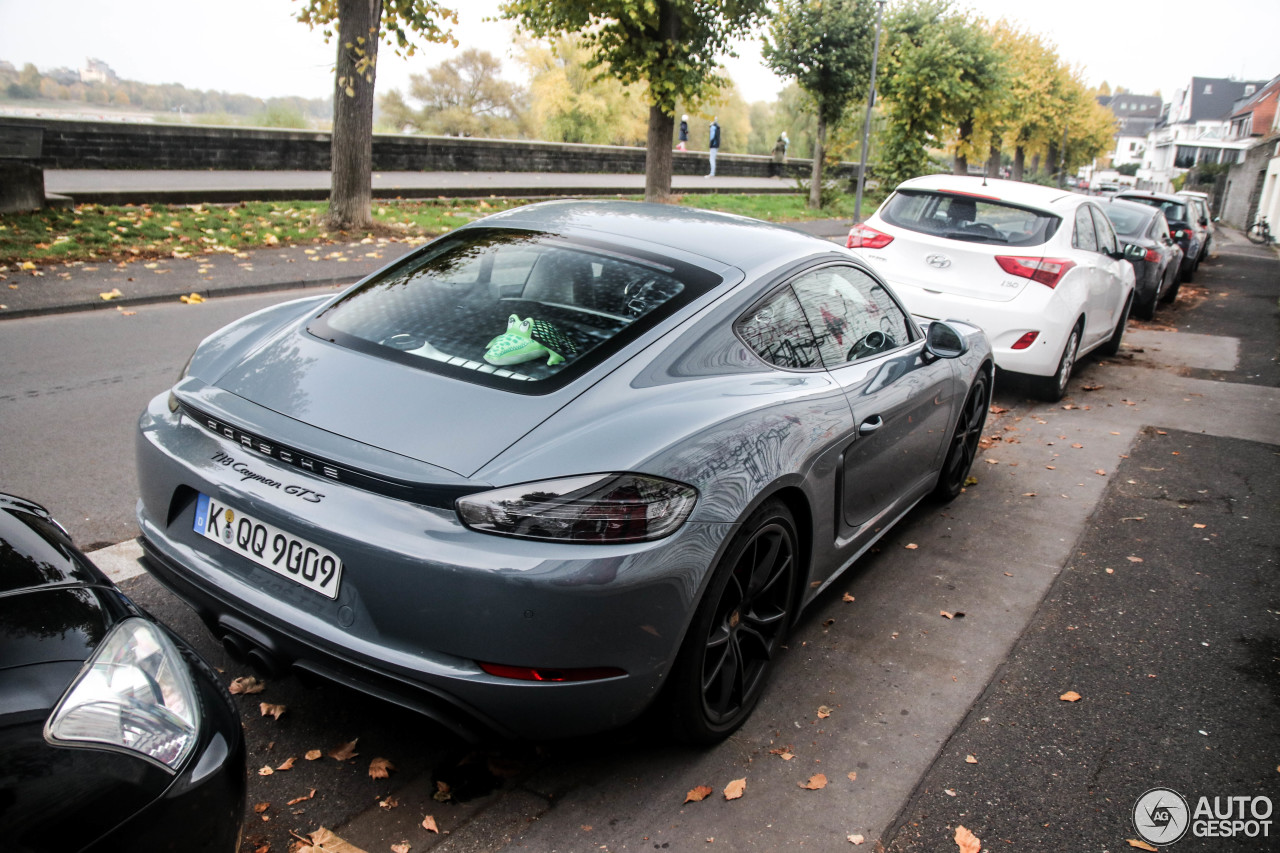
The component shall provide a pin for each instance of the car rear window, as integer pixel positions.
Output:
(521, 310)
(1127, 221)
(970, 218)
(1172, 210)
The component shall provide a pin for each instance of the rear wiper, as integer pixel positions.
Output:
(975, 237)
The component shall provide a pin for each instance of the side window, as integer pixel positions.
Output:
(777, 331)
(853, 315)
(1106, 234)
(1084, 238)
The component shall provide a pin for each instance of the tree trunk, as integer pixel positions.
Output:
(351, 149)
(961, 165)
(993, 161)
(657, 156)
(1051, 161)
(1035, 164)
(1019, 162)
(815, 176)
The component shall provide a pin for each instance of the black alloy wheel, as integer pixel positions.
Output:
(964, 441)
(739, 626)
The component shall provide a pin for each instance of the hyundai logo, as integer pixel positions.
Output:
(938, 261)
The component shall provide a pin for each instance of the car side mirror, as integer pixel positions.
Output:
(1204, 222)
(1134, 252)
(943, 341)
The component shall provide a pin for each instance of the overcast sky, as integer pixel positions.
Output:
(255, 46)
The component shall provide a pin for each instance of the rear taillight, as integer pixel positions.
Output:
(865, 237)
(1152, 256)
(1047, 271)
(1025, 341)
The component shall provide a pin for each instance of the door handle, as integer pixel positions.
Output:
(870, 425)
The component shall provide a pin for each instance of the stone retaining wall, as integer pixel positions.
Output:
(71, 144)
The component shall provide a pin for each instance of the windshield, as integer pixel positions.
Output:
(970, 218)
(513, 309)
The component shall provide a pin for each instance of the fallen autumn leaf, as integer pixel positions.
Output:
(246, 684)
(698, 794)
(344, 752)
(816, 782)
(1070, 696)
(379, 768)
(274, 711)
(1141, 845)
(429, 824)
(856, 839)
(967, 841)
(735, 789)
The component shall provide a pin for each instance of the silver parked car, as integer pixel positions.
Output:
(554, 464)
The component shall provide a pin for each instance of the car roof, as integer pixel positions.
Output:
(1153, 194)
(1015, 192)
(737, 241)
(1115, 201)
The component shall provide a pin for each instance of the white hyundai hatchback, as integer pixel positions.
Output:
(1038, 269)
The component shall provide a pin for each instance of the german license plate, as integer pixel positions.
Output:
(316, 568)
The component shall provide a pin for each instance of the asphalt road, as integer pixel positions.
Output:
(903, 682)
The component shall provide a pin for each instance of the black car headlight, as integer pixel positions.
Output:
(135, 695)
(594, 508)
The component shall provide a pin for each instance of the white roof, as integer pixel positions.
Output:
(1016, 192)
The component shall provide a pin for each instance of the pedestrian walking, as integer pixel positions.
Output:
(683, 145)
(779, 155)
(715, 144)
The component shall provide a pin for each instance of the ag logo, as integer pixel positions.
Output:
(1161, 816)
(938, 261)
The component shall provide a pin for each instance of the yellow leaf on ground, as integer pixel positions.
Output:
(856, 839)
(816, 782)
(969, 759)
(380, 768)
(698, 794)
(108, 295)
(313, 754)
(1141, 845)
(1070, 696)
(429, 824)
(265, 771)
(273, 710)
(967, 841)
(734, 789)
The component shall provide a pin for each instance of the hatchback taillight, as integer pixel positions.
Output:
(1047, 271)
(1152, 256)
(866, 237)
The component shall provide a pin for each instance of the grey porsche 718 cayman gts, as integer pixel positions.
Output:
(558, 465)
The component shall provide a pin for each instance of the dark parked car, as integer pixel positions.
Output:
(1149, 246)
(114, 735)
(556, 465)
(1187, 232)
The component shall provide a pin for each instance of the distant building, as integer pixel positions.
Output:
(1252, 186)
(1195, 130)
(97, 71)
(1136, 116)
(65, 76)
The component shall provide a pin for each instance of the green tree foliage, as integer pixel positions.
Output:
(570, 100)
(825, 46)
(670, 45)
(939, 70)
(359, 26)
(462, 96)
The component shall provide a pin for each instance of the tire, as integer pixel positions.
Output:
(1255, 234)
(964, 441)
(1171, 293)
(1053, 388)
(1145, 308)
(742, 620)
(1112, 346)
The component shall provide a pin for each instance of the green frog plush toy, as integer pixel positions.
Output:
(528, 339)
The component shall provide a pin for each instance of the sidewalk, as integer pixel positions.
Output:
(79, 286)
(118, 186)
